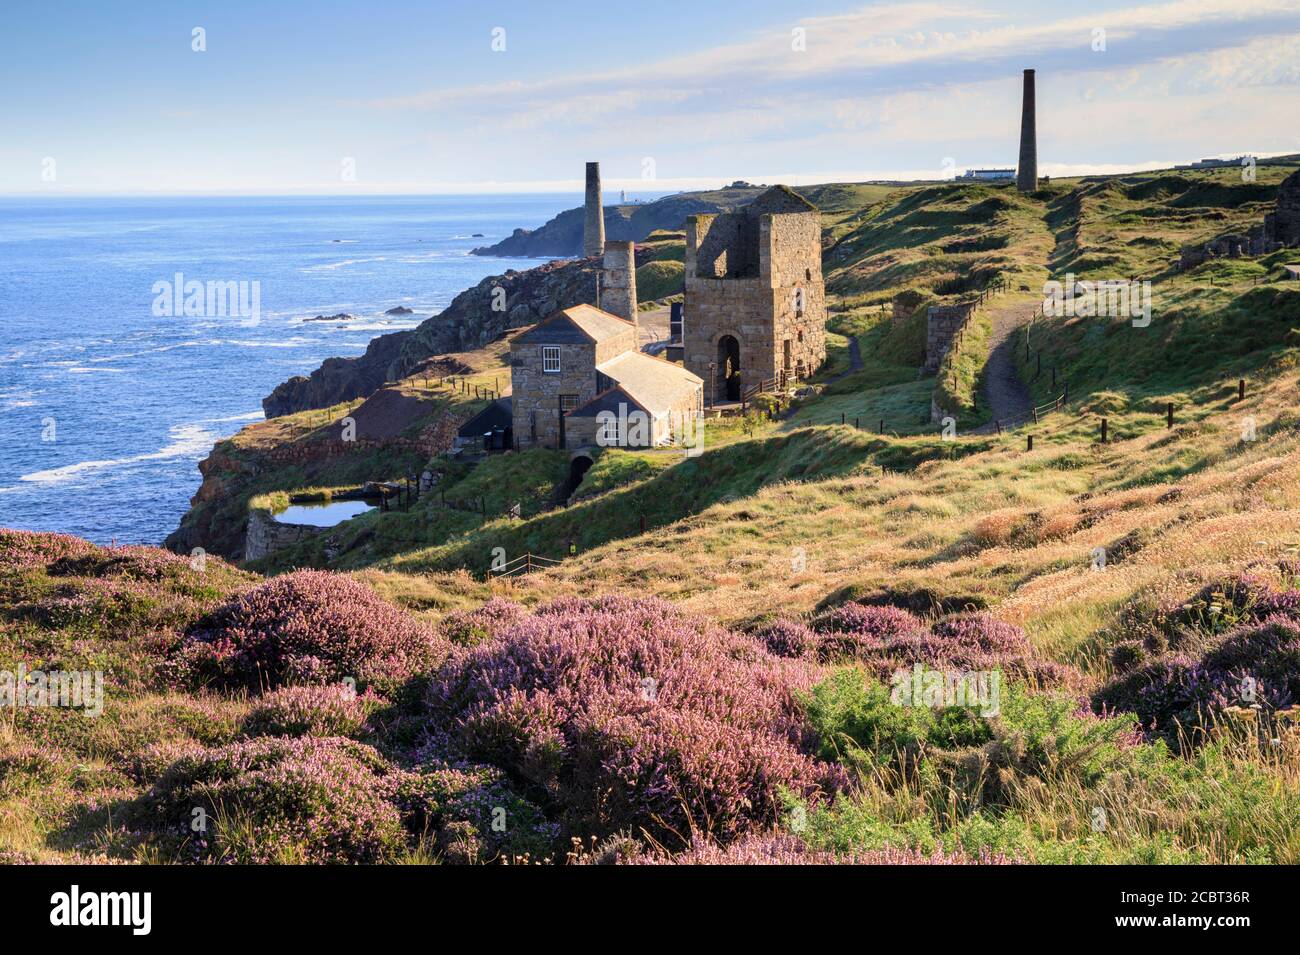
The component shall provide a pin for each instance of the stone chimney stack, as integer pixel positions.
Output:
(593, 232)
(1027, 171)
(618, 280)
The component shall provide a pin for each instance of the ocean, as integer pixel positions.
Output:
(115, 379)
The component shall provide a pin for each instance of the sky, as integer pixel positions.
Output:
(424, 96)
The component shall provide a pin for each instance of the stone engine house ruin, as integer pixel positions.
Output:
(755, 303)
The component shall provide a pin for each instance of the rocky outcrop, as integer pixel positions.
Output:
(337, 379)
(474, 318)
(563, 234)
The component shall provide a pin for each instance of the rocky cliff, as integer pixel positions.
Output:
(563, 234)
(475, 317)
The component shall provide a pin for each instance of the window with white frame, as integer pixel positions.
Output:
(551, 359)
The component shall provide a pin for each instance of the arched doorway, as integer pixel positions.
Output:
(729, 368)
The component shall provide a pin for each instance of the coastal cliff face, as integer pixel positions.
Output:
(474, 318)
(625, 223)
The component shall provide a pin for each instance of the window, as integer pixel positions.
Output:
(551, 359)
(568, 402)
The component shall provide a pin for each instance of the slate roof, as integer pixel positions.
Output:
(652, 384)
(578, 325)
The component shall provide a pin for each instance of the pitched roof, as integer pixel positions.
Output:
(577, 325)
(495, 415)
(609, 400)
(654, 384)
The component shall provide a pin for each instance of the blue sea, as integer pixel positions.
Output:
(110, 395)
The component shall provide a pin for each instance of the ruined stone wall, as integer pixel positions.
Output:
(1285, 221)
(941, 325)
(535, 394)
(265, 535)
(618, 280)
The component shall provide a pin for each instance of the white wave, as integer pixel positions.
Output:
(247, 416)
(188, 440)
(160, 348)
(249, 343)
(87, 369)
(331, 266)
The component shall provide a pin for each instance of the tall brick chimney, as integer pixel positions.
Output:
(1027, 171)
(593, 231)
(618, 280)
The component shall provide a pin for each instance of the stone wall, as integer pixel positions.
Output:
(942, 323)
(1285, 220)
(265, 535)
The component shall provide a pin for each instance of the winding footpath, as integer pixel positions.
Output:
(1005, 394)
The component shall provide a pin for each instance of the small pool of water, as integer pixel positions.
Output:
(323, 513)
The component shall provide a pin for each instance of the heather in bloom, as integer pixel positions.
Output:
(789, 638)
(887, 639)
(306, 627)
(1257, 663)
(622, 713)
(469, 628)
(270, 800)
(310, 711)
(474, 815)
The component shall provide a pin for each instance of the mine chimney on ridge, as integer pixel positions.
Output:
(1027, 171)
(618, 284)
(593, 231)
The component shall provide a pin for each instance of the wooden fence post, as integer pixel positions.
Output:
(1029, 446)
(1104, 424)
(1169, 415)
(1241, 389)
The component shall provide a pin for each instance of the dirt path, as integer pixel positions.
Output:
(1005, 395)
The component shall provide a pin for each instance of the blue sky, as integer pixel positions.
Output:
(411, 96)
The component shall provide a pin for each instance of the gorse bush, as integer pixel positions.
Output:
(308, 627)
(626, 714)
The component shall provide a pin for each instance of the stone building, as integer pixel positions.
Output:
(579, 370)
(755, 303)
(1282, 226)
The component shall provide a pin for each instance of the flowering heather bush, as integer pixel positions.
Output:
(310, 711)
(306, 627)
(623, 713)
(865, 620)
(887, 639)
(474, 815)
(22, 549)
(273, 800)
(1174, 695)
(469, 628)
(782, 849)
(789, 638)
